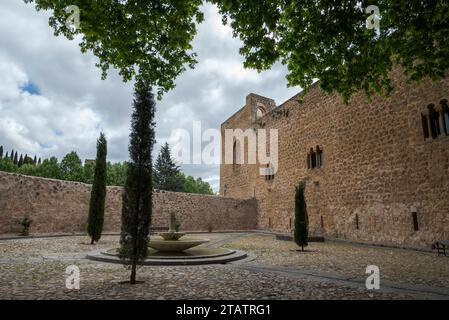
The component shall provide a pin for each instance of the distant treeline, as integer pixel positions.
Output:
(71, 168)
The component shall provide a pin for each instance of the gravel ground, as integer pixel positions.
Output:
(35, 269)
(398, 265)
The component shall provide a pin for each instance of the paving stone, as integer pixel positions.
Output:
(24, 278)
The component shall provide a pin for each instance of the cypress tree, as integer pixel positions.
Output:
(301, 218)
(12, 155)
(35, 160)
(6, 156)
(16, 160)
(137, 195)
(166, 173)
(98, 193)
(20, 161)
(39, 162)
(1, 152)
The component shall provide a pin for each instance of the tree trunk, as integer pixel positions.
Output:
(133, 273)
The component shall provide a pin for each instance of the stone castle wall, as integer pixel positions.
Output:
(378, 168)
(61, 207)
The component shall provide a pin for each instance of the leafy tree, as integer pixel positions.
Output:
(319, 39)
(50, 169)
(147, 39)
(88, 171)
(28, 160)
(329, 40)
(192, 185)
(28, 170)
(137, 195)
(301, 219)
(117, 174)
(7, 165)
(71, 167)
(98, 193)
(166, 172)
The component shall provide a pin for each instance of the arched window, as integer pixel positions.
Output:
(312, 158)
(236, 153)
(445, 115)
(260, 112)
(434, 118)
(315, 158)
(319, 157)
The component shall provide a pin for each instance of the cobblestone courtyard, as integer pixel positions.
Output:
(35, 269)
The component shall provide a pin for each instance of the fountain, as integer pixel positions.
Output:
(171, 240)
(170, 249)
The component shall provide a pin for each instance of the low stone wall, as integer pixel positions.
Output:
(62, 207)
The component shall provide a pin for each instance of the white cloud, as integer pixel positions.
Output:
(74, 104)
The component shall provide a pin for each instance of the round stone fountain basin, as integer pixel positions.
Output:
(175, 245)
(171, 235)
(196, 256)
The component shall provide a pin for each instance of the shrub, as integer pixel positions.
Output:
(98, 193)
(26, 224)
(301, 219)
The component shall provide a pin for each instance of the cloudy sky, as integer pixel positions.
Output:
(53, 101)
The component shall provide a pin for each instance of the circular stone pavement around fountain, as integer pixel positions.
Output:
(195, 256)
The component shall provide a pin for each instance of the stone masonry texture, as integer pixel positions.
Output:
(378, 168)
(62, 207)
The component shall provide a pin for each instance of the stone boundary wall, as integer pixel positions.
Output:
(62, 207)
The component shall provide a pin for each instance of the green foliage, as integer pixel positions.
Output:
(26, 224)
(89, 171)
(166, 173)
(29, 170)
(20, 161)
(316, 39)
(7, 165)
(192, 185)
(117, 174)
(137, 195)
(98, 193)
(301, 219)
(50, 169)
(71, 167)
(28, 160)
(147, 39)
(328, 40)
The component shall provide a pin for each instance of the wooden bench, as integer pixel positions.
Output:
(441, 247)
